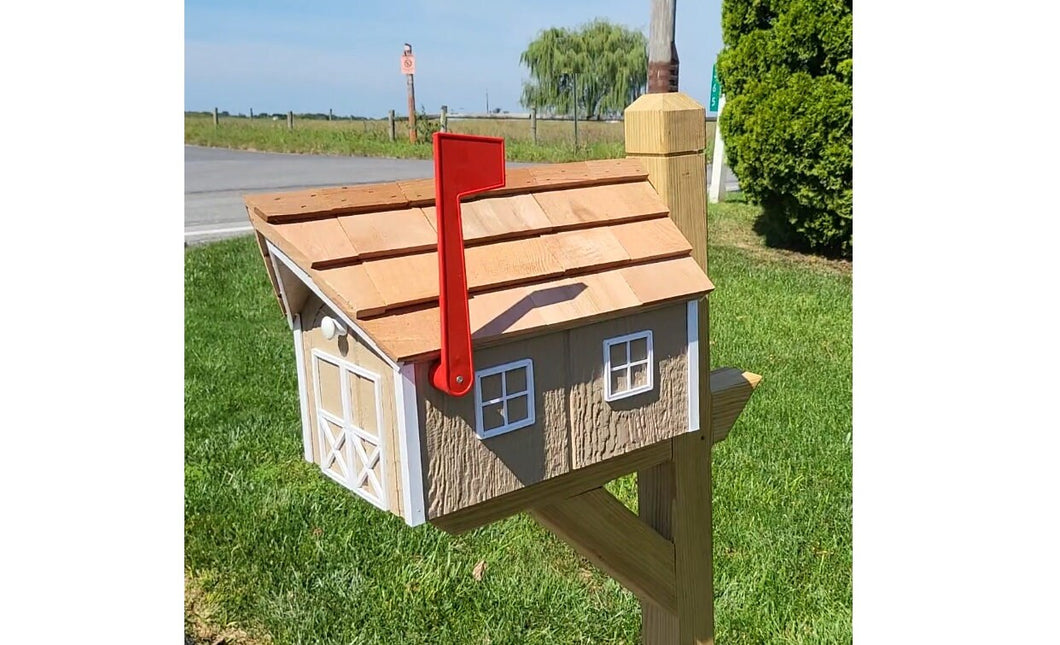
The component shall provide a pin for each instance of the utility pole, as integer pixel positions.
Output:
(662, 52)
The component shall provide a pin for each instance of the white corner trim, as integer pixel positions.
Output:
(693, 365)
(525, 364)
(628, 365)
(283, 291)
(409, 444)
(299, 357)
(304, 277)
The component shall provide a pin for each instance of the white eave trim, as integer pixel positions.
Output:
(693, 365)
(299, 355)
(304, 277)
(412, 491)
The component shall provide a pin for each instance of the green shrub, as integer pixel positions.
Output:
(787, 74)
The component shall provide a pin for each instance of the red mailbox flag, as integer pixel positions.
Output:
(463, 165)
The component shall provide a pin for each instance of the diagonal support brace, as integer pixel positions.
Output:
(609, 535)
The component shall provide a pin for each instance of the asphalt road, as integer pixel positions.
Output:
(215, 180)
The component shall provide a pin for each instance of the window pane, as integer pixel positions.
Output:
(638, 349)
(516, 380)
(618, 354)
(639, 375)
(619, 382)
(491, 387)
(517, 409)
(492, 416)
(330, 388)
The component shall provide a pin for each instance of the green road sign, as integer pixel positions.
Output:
(715, 89)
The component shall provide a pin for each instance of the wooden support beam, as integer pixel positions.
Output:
(666, 131)
(730, 389)
(610, 536)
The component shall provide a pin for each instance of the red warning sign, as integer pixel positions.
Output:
(408, 64)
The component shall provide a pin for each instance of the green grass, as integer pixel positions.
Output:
(370, 138)
(284, 553)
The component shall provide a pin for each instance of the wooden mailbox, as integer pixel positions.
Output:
(587, 318)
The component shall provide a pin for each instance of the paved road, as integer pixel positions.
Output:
(215, 180)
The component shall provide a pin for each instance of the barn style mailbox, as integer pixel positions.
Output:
(486, 342)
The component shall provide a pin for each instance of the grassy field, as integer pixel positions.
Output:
(276, 552)
(597, 139)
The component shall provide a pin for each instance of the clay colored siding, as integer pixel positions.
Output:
(603, 429)
(463, 470)
(350, 349)
(574, 426)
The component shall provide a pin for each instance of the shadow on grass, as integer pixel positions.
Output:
(778, 233)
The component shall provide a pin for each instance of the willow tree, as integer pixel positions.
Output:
(606, 64)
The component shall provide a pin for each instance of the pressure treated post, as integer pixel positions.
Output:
(393, 126)
(666, 131)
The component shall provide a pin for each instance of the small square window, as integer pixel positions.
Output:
(628, 365)
(504, 398)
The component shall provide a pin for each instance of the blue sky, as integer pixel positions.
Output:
(310, 57)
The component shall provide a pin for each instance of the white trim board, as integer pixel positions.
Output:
(412, 491)
(283, 291)
(303, 400)
(304, 277)
(693, 365)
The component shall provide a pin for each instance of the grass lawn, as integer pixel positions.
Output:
(370, 138)
(276, 552)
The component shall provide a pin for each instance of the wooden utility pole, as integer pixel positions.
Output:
(443, 119)
(662, 52)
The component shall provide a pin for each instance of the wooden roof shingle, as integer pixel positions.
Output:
(558, 246)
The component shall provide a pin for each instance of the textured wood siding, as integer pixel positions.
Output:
(352, 350)
(463, 470)
(574, 426)
(601, 429)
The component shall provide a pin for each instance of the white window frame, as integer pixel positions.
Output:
(528, 365)
(627, 340)
(352, 481)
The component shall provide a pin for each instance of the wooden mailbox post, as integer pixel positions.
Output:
(584, 293)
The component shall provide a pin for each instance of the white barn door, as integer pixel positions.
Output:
(349, 421)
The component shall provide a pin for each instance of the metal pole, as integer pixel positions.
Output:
(412, 109)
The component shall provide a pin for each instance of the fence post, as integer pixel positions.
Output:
(443, 117)
(251, 113)
(330, 115)
(290, 120)
(533, 124)
(215, 117)
(393, 129)
(575, 111)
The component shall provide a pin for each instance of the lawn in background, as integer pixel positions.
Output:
(371, 138)
(275, 551)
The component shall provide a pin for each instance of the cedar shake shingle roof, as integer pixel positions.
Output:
(558, 246)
